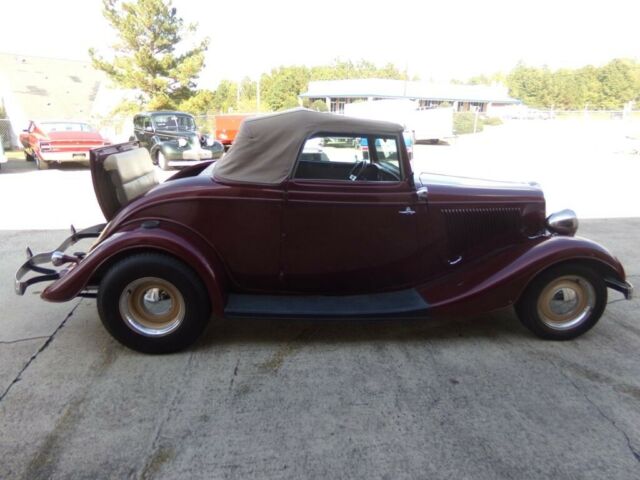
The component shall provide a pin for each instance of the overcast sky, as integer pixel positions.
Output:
(436, 40)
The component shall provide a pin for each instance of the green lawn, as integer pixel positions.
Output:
(15, 155)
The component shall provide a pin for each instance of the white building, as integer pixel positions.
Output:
(41, 88)
(337, 93)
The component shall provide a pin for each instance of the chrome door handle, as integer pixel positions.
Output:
(407, 211)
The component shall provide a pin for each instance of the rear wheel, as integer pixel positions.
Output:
(153, 303)
(41, 164)
(563, 302)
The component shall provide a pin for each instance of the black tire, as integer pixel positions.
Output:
(42, 164)
(29, 158)
(123, 311)
(563, 302)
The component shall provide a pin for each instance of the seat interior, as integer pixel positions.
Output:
(132, 174)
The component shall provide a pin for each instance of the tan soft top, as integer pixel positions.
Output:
(266, 147)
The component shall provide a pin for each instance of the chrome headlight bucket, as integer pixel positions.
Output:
(564, 222)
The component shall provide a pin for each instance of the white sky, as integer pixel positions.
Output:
(437, 40)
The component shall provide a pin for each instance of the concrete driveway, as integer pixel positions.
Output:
(473, 398)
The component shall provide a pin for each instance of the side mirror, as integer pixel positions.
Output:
(423, 193)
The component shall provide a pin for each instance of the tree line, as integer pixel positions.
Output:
(607, 87)
(152, 59)
(279, 89)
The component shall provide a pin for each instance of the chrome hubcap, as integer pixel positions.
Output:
(566, 302)
(152, 306)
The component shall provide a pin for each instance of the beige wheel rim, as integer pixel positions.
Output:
(152, 307)
(566, 302)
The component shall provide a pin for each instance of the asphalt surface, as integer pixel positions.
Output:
(473, 398)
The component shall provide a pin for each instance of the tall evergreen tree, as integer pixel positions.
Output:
(149, 56)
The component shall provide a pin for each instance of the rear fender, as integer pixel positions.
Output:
(499, 281)
(171, 239)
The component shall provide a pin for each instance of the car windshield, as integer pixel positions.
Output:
(174, 122)
(66, 127)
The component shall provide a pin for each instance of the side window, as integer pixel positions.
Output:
(387, 152)
(137, 122)
(353, 158)
(146, 122)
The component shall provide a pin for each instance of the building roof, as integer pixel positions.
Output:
(384, 88)
(47, 88)
(267, 146)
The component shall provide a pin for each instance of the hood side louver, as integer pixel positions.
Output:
(469, 228)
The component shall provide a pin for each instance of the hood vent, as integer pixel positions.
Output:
(469, 228)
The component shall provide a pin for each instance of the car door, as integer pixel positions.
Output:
(145, 132)
(349, 223)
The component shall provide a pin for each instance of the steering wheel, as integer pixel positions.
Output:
(357, 169)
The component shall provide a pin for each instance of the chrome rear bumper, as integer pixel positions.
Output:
(55, 257)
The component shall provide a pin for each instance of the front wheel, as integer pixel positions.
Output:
(153, 303)
(162, 161)
(563, 302)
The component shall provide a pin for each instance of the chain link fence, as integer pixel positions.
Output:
(120, 128)
(7, 137)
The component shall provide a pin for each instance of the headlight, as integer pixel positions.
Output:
(564, 222)
(209, 141)
(182, 142)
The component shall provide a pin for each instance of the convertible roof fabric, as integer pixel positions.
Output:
(266, 147)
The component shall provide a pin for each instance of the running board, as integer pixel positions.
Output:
(404, 303)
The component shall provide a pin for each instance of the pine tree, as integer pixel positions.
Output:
(149, 57)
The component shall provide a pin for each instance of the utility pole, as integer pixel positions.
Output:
(258, 93)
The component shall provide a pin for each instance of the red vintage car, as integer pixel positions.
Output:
(288, 225)
(65, 141)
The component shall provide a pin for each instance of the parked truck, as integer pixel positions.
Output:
(227, 126)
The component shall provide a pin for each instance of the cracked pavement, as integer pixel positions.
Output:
(462, 398)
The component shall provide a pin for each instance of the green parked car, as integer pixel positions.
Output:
(173, 140)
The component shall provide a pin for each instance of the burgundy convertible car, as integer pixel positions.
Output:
(287, 225)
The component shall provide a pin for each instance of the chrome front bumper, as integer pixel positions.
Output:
(55, 257)
(197, 154)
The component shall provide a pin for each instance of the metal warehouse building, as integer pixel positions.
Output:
(336, 93)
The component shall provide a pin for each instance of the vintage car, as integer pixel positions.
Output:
(173, 140)
(274, 229)
(59, 141)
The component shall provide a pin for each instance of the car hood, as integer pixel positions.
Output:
(454, 188)
(177, 133)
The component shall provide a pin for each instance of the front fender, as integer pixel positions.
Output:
(168, 238)
(499, 281)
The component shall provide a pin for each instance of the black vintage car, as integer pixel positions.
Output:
(173, 140)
